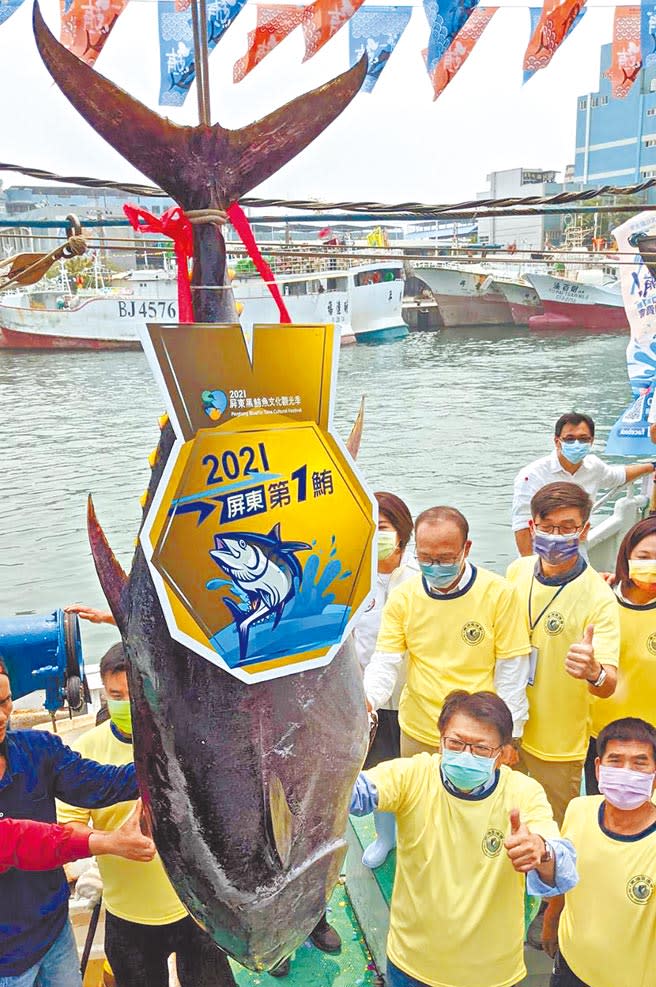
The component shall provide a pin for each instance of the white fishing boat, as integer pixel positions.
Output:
(592, 301)
(364, 301)
(523, 300)
(465, 296)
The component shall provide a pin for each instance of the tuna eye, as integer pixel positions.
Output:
(242, 543)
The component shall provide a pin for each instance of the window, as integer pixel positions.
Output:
(603, 100)
(594, 101)
(583, 103)
(651, 142)
(648, 173)
(651, 112)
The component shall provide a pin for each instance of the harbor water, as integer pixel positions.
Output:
(450, 418)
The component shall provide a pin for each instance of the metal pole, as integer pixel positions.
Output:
(204, 55)
(200, 59)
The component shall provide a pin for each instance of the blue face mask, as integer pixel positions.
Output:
(467, 771)
(438, 575)
(556, 549)
(575, 452)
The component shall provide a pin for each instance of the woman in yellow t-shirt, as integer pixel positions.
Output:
(635, 587)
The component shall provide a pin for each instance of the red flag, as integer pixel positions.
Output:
(626, 57)
(274, 23)
(86, 26)
(323, 19)
(555, 22)
(460, 48)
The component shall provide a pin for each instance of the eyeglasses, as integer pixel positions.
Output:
(482, 750)
(426, 560)
(559, 529)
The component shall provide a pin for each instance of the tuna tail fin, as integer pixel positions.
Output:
(236, 612)
(113, 579)
(199, 166)
(354, 439)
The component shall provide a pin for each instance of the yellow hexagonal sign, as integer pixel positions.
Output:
(260, 534)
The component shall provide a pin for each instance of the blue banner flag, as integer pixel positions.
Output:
(445, 18)
(176, 44)
(648, 33)
(376, 31)
(7, 8)
(635, 238)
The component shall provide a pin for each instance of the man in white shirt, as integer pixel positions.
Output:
(572, 462)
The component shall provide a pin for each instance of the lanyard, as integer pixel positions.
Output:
(534, 623)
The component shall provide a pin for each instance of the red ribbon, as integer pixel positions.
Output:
(239, 220)
(174, 224)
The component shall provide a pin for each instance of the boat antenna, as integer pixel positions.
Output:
(201, 59)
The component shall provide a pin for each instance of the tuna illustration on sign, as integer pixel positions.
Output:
(263, 567)
(234, 767)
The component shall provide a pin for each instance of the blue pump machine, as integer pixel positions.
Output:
(45, 652)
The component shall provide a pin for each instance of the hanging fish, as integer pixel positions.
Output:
(248, 785)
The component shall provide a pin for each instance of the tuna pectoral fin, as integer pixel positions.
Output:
(198, 166)
(354, 439)
(281, 819)
(110, 573)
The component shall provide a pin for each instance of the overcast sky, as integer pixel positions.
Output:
(393, 145)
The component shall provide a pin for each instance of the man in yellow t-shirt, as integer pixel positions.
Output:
(462, 628)
(472, 836)
(574, 624)
(146, 921)
(607, 932)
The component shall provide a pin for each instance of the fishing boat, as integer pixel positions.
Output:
(592, 301)
(523, 300)
(465, 296)
(364, 301)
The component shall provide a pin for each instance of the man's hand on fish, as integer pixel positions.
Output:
(90, 613)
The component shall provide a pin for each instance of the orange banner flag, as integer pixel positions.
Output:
(626, 57)
(460, 48)
(554, 25)
(85, 26)
(322, 21)
(274, 23)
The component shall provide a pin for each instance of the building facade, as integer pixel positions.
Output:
(525, 232)
(616, 138)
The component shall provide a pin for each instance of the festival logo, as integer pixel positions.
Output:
(214, 404)
(554, 623)
(492, 843)
(640, 889)
(473, 632)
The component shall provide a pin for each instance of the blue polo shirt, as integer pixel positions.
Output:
(34, 906)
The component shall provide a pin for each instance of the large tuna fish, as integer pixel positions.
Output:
(248, 786)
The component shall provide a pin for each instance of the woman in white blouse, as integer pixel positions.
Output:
(394, 532)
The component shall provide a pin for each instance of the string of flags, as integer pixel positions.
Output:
(454, 28)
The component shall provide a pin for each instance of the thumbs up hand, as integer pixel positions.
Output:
(580, 661)
(525, 849)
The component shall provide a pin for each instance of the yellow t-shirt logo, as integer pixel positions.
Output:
(554, 623)
(640, 889)
(492, 843)
(473, 632)
(651, 643)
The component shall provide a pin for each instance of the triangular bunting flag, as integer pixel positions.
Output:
(460, 49)
(626, 57)
(556, 22)
(376, 31)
